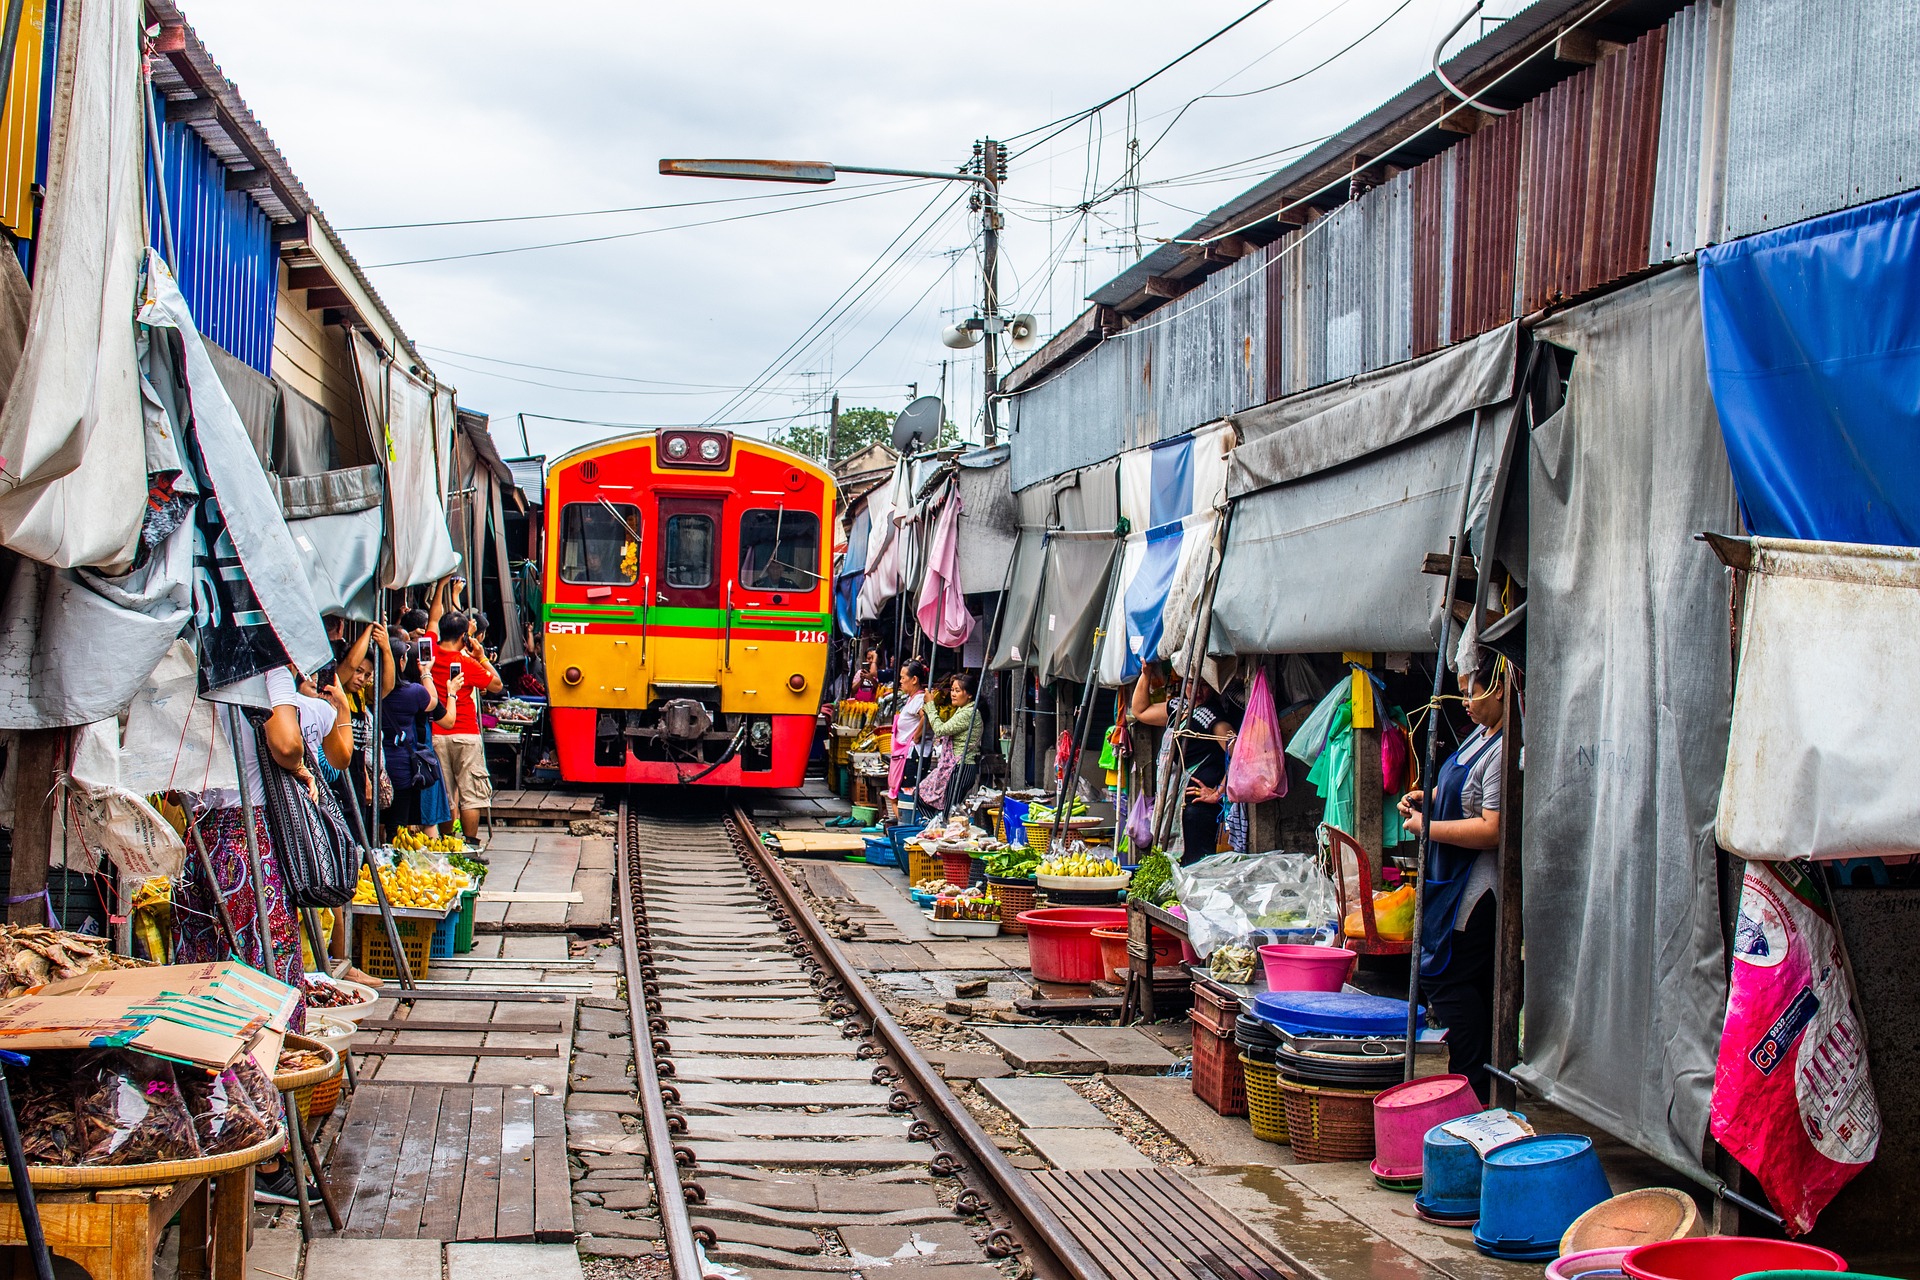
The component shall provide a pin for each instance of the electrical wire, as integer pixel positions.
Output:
(631, 208)
(670, 426)
(1067, 122)
(645, 231)
(611, 377)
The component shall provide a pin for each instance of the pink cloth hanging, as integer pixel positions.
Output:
(943, 607)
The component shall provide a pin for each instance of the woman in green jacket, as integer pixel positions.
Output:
(963, 729)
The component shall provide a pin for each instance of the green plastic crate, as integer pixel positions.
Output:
(463, 932)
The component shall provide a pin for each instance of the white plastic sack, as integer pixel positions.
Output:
(1820, 762)
(96, 817)
(1231, 895)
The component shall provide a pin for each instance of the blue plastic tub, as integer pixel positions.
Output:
(897, 836)
(1332, 1013)
(444, 936)
(1014, 813)
(880, 852)
(1532, 1190)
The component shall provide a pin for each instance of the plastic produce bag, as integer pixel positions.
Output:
(225, 1117)
(130, 1110)
(1392, 916)
(1792, 1100)
(1258, 770)
(1231, 897)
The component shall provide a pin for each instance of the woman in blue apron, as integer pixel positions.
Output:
(1457, 921)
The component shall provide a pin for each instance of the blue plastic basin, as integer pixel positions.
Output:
(1332, 1013)
(1532, 1190)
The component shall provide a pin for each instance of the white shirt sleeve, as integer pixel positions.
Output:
(281, 689)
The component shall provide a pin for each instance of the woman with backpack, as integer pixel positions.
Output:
(405, 715)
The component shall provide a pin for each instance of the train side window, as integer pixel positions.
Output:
(780, 550)
(689, 550)
(597, 544)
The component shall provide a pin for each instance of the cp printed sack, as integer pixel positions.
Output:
(1258, 769)
(1791, 1098)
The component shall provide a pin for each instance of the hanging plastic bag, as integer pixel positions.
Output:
(1140, 825)
(1791, 1097)
(1258, 769)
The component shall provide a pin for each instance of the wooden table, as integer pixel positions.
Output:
(114, 1232)
(1148, 986)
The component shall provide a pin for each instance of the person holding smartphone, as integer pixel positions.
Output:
(463, 760)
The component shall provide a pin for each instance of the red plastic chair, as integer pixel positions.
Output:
(1338, 844)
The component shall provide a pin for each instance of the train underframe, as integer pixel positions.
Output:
(682, 741)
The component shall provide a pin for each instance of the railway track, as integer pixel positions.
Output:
(791, 1124)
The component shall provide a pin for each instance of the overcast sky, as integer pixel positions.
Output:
(416, 110)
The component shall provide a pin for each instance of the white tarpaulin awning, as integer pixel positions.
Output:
(406, 417)
(1824, 706)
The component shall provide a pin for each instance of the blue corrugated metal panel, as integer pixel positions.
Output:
(1821, 108)
(49, 64)
(227, 267)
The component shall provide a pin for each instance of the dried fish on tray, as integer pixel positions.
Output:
(130, 1110)
(32, 955)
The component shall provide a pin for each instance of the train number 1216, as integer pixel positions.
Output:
(810, 637)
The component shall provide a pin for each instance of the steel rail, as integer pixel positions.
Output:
(1049, 1246)
(663, 1156)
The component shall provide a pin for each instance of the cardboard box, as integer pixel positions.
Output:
(206, 1013)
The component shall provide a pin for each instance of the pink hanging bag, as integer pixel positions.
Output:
(1258, 769)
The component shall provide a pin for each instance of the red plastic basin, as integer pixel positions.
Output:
(1726, 1257)
(1113, 949)
(1060, 942)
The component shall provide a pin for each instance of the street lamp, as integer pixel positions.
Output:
(986, 170)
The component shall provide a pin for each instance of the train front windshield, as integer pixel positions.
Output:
(780, 550)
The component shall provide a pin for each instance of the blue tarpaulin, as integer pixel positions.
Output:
(1813, 353)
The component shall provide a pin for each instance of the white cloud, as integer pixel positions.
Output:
(425, 109)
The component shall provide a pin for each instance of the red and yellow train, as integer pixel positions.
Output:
(686, 609)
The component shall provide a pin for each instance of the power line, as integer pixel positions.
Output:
(1067, 122)
(647, 231)
(599, 213)
(671, 426)
(610, 377)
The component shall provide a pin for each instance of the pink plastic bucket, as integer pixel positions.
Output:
(1291, 967)
(1403, 1114)
(1187, 954)
(1060, 942)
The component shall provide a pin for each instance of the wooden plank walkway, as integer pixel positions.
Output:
(541, 807)
(547, 862)
(1193, 1237)
(453, 1162)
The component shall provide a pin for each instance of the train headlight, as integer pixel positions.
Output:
(677, 448)
(571, 675)
(709, 450)
(796, 682)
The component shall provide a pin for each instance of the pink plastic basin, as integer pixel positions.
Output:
(1403, 1114)
(1726, 1257)
(1588, 1262)
(1060, 942)
(1291, 967)
(1187, 954)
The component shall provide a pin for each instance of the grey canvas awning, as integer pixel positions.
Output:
(1341, 492)
(988, 519)
(1080, 553)
(1013, 647)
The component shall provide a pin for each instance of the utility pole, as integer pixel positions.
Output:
(833, 430)
(991, 157)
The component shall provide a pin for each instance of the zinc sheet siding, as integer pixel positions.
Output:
(1485, 228)
(1590, 144)
(1686, 98)
(226, 263)
(1200, 357)
(1821, 110)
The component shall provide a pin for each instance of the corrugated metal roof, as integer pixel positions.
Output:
(1517, 34)
(1821, 110)
(1686, 92)
(530, 475)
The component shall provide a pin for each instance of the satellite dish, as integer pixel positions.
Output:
(918, 425)
(958, 338)
(1023, 332)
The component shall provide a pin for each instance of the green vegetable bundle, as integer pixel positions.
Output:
(1152, 879)
(1013, 863)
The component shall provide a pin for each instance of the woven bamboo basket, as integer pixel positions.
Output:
(140, 1175)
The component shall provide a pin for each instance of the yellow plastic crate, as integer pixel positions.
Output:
(374, 956)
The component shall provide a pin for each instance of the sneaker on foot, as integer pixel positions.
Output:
(279, 1187)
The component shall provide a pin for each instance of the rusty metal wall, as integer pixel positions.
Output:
(1822, 108)
(1485, 227)
(1432, 264)
(1590, 144)
(1199, 357)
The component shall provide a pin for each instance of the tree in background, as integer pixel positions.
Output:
(858, 428)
